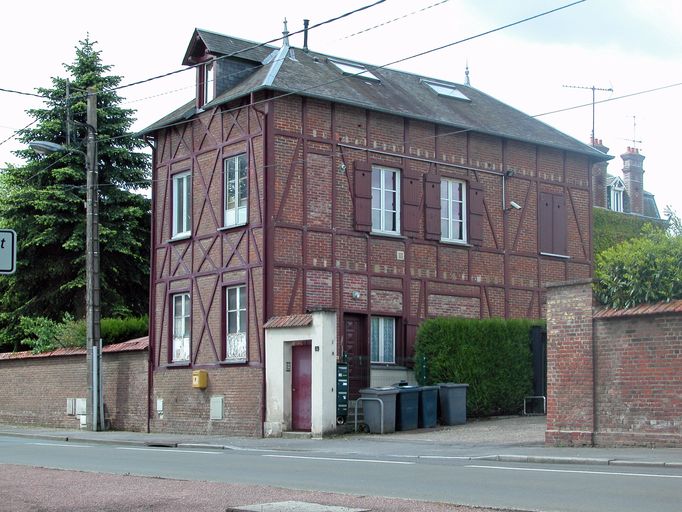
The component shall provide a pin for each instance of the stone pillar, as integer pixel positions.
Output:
(570, 364)
(633, 176)
(599, 171)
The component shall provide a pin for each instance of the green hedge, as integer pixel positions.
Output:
(43, 335)
(493, 356)
(611, 228)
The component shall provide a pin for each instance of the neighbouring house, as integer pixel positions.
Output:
(626, 194)
(309, 209)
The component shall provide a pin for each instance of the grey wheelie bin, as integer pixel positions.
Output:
(453, 403)
(407, 407)
(373, 410)
(428, 406)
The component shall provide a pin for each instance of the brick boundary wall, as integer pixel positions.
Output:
(35, 387)
(614, 377)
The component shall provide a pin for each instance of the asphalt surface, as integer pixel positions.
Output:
(513, 439)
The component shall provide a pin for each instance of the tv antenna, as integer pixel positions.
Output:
(634, 133)
(594, 89)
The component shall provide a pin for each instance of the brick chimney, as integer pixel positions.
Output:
(633, 176)
(599, 176)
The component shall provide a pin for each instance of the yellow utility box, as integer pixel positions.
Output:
(199, 379)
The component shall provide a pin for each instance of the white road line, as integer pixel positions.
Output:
(339, 459)
(69, 445)
(583, 472)
(167, 450)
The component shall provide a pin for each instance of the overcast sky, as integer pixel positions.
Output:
(629, 46)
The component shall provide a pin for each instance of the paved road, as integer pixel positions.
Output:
(436, 478)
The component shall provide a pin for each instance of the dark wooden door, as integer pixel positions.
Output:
(356, 348)
(301, 365)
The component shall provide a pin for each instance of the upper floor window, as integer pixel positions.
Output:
(182, 194)
(236, 190)
(616, 197)
(181, 327)
(383, 340)
(453, 225)
(385, 200)
(208, 82)
(236, 322)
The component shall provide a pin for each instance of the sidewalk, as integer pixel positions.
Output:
(509, 439)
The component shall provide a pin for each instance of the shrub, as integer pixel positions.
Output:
(42, 334)
(493, 356)
(641, 270)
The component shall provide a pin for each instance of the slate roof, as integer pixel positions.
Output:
(649, 206)
(312, 74)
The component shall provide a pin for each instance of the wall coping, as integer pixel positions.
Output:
(574, 282)
(137, 344)
(674, 306)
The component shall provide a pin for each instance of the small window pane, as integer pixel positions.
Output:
(232, 322)
(376, 178)
(376, 219)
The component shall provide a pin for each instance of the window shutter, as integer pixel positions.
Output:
(363, 196)
(411, 214)
(559, 225)
(411, 327)
(432, 202)
(476, 213)
(545, 211)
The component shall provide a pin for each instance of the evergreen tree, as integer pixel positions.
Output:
(43, 201)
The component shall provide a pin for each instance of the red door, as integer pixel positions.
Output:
(300, 387)
(355, 345)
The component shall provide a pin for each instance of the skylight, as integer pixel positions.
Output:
(446, 90)
(354, 69)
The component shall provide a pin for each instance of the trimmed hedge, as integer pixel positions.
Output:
(611, 228)
(493, 356)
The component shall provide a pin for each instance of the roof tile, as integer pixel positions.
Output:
(126, 346)
(658, 308)
(289, 321)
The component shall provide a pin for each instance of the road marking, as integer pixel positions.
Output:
(69, 445)
(583, 472)
(339, 459)
(452, 457)
(166, 450)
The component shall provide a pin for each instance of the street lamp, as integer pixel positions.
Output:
(95, 405)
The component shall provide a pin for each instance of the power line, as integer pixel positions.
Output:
(17, 132)
(22, 93)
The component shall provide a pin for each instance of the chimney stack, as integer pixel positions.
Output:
(599, 171)
(305, 35)
(633, 176)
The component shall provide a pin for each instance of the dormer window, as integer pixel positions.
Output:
(207, 82)
(616, 190)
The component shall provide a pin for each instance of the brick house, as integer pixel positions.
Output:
(308, 208)
(626, 194)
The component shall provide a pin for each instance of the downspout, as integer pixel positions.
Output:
(152, 302)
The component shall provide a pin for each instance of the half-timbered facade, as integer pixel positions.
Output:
(298, 183)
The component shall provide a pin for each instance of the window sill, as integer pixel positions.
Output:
(232, 226)
(386, 366)
(456, 242)
(233, 362)
(559, 256)
(179, 238)
(178, 364)
(388, 235)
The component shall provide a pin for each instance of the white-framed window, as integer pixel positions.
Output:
(236, 190)
(382, 346)
(385, 200)
(236, 322)
(181, 327)
(616, 199)
(453, 213)
(208, 82)
(182, 204)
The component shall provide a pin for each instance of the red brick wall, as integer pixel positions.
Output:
(34, 390)
(613, 379)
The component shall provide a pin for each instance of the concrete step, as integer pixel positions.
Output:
(296, 435)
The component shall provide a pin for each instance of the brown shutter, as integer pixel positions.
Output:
(432, 202)
(559, 225)
(545, 211)
(411, 192)
(411, 327)
(363, 196)
(476, 213)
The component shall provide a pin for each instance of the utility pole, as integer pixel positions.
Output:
(594, 89)
(92, 286)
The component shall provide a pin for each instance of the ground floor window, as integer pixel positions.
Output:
(383, 339)
(236, 320)
(181, 327)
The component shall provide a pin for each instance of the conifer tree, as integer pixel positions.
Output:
(43, 201)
